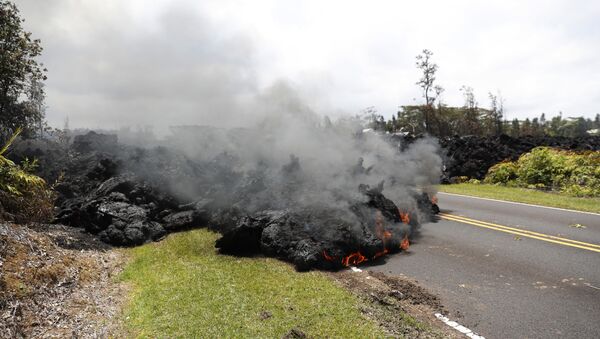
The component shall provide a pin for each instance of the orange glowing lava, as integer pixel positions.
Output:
(327, 257)
(354, 259)
(405, 217)
(404, 244)
(382, 253)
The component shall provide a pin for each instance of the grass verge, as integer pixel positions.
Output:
(182, 288)
(524, 195)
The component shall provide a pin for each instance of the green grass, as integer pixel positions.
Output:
(524, 195)
(182, 288)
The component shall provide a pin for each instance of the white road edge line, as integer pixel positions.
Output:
(592, 286)
(458, 327)
(520, 203)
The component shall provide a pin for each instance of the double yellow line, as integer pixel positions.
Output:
(522, 233)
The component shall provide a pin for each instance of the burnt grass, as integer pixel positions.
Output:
(57, 281)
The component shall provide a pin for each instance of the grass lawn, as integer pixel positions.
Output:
(182, 288)
(524, 195)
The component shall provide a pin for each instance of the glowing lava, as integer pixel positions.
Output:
(405, 217)
(404, 244)
(354, 259)
(357, 257)
(327, 257)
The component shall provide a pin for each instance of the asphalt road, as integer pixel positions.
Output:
(540, 278)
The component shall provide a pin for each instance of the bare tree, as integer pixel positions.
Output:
(472, 125)
(496, 114)
(427, 84)
(429, 69)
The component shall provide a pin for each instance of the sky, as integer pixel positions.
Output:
(114, 63)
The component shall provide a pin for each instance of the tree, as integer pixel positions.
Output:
(427, 84)
(556, 124)
(573, 127)
(21, 76)
(496, 114)
(374, 120)
(597, 121)
(543, 122)
(526, 128)
(471, 111)
(429, 69)
(515, 129)
(589, 124)
(535, 127)
(411, 119)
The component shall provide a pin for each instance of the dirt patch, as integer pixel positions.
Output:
(56, 281)
(412, 292)
(400, 306)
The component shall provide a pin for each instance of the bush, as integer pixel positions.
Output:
(576, 174)
(540, 167)
(501, 173)
(582, 175)
(24, 197)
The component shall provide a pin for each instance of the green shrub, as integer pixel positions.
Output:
(540, 166)
(24, 197)
(582, 175)
(501, 173)
(576, 174)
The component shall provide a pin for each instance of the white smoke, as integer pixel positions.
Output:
(329, 159)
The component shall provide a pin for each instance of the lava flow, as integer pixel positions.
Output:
(327, 257)
(354, 259)
(434, 199)
(404, 217)
(404, 244)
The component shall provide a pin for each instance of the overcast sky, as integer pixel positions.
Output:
(114, 63)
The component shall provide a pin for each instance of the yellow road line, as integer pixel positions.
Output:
(527, 234)
(522, 230)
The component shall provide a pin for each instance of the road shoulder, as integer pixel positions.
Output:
(400, 306)
(524, 196)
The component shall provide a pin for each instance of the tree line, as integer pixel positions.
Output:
(436, 118)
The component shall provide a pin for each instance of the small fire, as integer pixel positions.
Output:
(405, 217)
(404, 244)
(354, 259)
(327, 257)
(382, 253)
(434, 199)
(357, 258)
(380, 230)
(382, 233)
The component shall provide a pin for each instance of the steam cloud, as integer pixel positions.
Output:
(289, 157)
